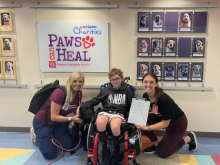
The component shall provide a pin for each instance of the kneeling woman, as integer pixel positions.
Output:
(166, 114)
(56, 123)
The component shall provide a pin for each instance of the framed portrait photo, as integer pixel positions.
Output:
(6, 21)
(143, 21)
(169, 71)
(9, 69)
(197, 72)
(1, 71)
(142, 69)
(157, 47)
(156, 68)
(185, 22)
(183, 71)
(198, 49)
(157, 21)
(170, 47)
(143, 47)
(7, 43)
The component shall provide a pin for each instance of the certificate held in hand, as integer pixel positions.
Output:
(139, 111)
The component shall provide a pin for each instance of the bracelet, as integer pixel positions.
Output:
(148, 128)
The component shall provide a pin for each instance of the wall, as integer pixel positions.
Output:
(201, 108)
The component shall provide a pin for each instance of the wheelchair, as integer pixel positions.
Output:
(131, 139)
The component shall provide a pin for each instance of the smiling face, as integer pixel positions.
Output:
(116, 81)
(149, 85)
(77, 84)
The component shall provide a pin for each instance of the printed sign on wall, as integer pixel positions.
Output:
(198, 47)
(73, 46)
(197, 72)
(7, 43)
(143, 21)
(6, 21)
(156, 68)
(142, 69)
(169, 71)
(143, 47)
(9, 69)
(183, 71)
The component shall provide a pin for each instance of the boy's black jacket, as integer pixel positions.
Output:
(118, 100)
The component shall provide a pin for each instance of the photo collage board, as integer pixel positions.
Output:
(172, 22)
(7, 66)
(171, 47)
(172, 71)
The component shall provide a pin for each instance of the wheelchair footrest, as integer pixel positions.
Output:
(90, 153)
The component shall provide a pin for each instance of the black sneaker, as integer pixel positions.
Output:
(193, 143)
(116, 158)
(106, 157)
(150, 150)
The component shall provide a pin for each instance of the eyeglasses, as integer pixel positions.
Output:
(113, 80)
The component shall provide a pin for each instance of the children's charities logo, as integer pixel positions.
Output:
(72, 48)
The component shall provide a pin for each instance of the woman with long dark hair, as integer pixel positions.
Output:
(165, 114)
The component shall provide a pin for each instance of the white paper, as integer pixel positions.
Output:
(139, 111)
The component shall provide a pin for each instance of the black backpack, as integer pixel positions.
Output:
(42, 95)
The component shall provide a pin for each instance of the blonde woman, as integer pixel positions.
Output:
(57, 122)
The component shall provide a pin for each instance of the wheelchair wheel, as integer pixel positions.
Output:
(138, 144)
(90, 136)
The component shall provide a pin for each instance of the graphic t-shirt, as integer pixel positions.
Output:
(166, 109)
(57, 96)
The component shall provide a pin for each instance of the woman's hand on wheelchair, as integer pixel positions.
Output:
(140, 127)
(77, 119)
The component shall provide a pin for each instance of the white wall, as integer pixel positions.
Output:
(202, 108)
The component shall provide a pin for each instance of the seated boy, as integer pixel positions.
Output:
(116, 100)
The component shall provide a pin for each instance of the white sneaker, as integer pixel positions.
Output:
(33, 136)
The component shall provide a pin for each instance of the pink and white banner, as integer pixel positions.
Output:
(73, 46)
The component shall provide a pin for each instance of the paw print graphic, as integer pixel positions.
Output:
(88, 42)
(52, 64)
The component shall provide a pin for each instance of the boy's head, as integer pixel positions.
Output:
(116, 77)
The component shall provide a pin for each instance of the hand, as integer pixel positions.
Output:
(77, 111)
(77, 119)
(140, 127)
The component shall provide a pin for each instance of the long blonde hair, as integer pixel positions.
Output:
(73, 76)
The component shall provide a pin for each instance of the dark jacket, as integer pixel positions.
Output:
(118, 100)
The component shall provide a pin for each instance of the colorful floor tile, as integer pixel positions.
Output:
(17, 149)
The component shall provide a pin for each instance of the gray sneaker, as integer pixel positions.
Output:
(33, 136)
